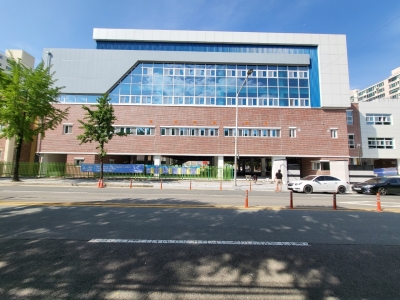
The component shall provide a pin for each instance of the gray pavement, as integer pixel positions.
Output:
(242, 184)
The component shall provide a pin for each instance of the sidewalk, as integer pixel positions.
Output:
(242, 184)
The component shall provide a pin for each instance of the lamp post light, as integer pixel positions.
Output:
(236, 127)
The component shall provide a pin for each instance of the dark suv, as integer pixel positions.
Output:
(383, 185)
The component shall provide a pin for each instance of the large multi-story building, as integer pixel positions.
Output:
(387, 88)
(175, 94)
(373, 130)
(7, 146)
(373, 125)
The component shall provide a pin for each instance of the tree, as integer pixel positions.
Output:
(26, 105)
(99, 126)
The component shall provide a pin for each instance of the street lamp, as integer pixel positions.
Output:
(236, 127)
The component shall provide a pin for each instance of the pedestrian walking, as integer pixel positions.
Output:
(278, 181)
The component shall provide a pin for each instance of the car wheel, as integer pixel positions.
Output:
(382, 191)
(308, 189)
(359, 192)
(341, 190)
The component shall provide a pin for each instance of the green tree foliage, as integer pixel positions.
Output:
(26, 105)
(99, 126)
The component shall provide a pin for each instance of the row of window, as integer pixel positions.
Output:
(147, 81)
(198, 131)
(371, 119)
(379, 119)
(223, 73)
(229, 101)
(210, 81)
(381, 143)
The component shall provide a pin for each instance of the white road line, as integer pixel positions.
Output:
(48, 192)
(200, 242)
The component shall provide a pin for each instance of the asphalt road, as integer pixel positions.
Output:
(25, 195)
(182, 252)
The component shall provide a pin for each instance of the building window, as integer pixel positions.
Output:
(111, 161)
(292, 132)
(78, 162)
(349, 117)
(381, 143)
(351, 141)
(67, 129)
(253, 132)
(320, 165)
(135, 130)
(334, 133)
(379, 119)
(189, 131)
(315, 165)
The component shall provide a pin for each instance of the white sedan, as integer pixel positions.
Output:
(319, 183)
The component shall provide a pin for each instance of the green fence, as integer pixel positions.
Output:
(150, 172)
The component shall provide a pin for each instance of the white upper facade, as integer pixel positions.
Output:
(332, 57)
(374, 128)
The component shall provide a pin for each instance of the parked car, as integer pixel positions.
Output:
(383, 185)
(319, 183)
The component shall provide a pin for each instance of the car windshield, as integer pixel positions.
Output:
(309, 177)
(382, 180)
(374, 180)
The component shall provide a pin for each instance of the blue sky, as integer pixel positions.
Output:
(372, 27)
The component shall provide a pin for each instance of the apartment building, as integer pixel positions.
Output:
(387, 88)
(175, 93)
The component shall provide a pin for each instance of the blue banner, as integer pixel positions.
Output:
(385, 171)
(113, 168)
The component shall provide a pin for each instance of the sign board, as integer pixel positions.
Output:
(113, 168)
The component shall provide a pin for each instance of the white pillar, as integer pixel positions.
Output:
(340, 169)
(9, 150)
(220, 167)
(398, 166)
(279, 163)
(263, 173)
(156, 160)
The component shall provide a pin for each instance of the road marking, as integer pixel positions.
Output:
(200, 242)
(48, 192)
(372, 203)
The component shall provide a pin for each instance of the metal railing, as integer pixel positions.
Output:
(149, 171)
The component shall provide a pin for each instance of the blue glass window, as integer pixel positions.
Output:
(273, 92)
(283, 102)
(283, 82)
(293, 92)
(272, 82)
(262, 81)
(210, 91)
(282, 74)
(283, 93)
(293, 82)
(200, 90)
(191, 84)
(252, 92)
(221, 101)
(125, 89)
(304, 93)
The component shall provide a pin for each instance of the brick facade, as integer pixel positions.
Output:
(356, 130)
(313, 132)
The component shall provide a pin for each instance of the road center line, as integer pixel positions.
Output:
(200, 242)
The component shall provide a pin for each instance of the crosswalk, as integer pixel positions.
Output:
(199, 242)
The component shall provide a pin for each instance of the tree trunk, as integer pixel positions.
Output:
(15, 171)
(101, 167)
